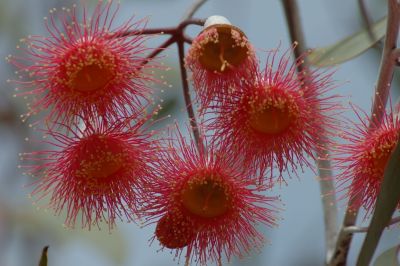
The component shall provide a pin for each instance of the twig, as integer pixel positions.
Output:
(165, 30)
(192, 21)
(161, 48)
(388, 62)
(186, 94)
(187, 39)
(324, 166)
(151, 31)
(357, 229)
(181, 52)
(178, 36)
(295, 31)
(190, 12)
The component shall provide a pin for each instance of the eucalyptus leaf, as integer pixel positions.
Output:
(349, 47)
(43, 258)
(389, 257)
(386, 203)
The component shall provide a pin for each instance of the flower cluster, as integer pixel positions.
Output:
(206, 202)
(94, 82)
(206, 196)
(259, 120)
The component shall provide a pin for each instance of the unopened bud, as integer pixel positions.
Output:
(216, 20)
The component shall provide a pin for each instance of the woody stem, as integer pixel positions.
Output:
(186, 94)
(323, 163)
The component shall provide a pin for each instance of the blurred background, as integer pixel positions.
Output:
(299, 240)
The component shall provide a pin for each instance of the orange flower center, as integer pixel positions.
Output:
(100, 157)
(223, 48)
(173, 231)
(91, 78)
(89, 68)
(207, 198)
(271, 120)
(273, 114)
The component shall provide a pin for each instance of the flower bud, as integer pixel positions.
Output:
(220, 58)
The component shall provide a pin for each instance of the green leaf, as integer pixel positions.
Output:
(389, 257)
(43, 258)
(386, 204)
(349, 47)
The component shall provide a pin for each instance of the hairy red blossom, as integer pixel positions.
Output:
(85, 67)
(220, 58)
(98, 173)
(363, 159)
(275, 120)
(205, 201)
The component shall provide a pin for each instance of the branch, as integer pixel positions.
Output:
(190, 12)
(165, 30)
(187, 39)
(181, 39)
(324, 166)
(155, 31)
(178, 36)
(192, 21)
(295, 31)
(161, 48)
(356, 229)
(388, 61)
(186, 94)
(177, 33)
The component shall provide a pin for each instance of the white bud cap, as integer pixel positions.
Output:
(216, 19)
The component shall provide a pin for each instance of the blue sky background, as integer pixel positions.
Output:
(298, 241)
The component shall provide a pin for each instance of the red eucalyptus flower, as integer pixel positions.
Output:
(275, 121)
(205, 201)
(363, 159)
(98, 173)
(220, 58)
(85, 67)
